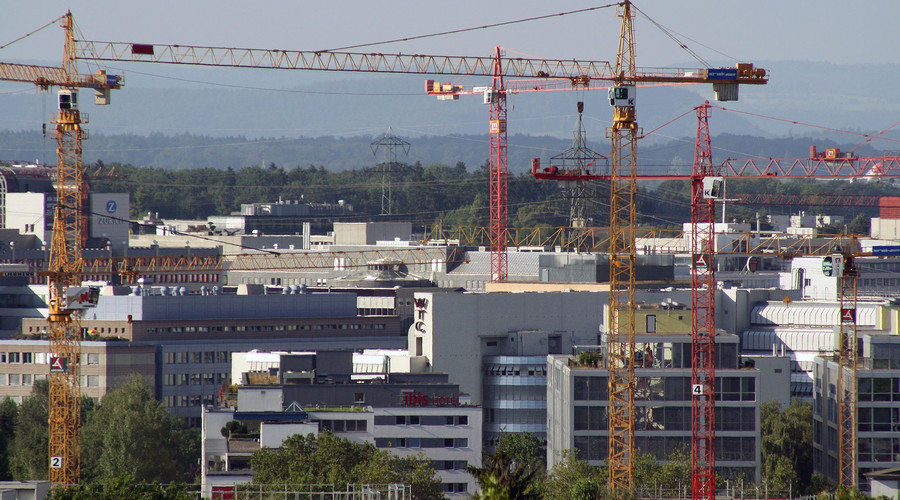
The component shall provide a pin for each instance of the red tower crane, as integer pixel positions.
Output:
(703, 315)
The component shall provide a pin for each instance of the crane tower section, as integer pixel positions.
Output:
(705, 188)
(620, 336)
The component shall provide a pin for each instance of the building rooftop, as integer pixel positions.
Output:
(190, 307)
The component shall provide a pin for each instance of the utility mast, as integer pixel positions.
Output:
(577, 161)
(390, 142)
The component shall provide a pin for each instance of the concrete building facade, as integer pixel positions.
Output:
(878, 409)
(577, 404)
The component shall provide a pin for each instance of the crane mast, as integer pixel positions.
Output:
(499, 173)
(846, 376)
(620, 341)
(65, 271)
(703, 316)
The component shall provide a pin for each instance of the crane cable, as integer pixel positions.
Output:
(30, 33)
(463, 30)
(830, 129)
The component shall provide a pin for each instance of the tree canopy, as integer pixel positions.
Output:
(327, 459)
(128, 433)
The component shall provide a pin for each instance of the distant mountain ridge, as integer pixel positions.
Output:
(185, 151)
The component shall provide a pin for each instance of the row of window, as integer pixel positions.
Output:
(668, 388)
(453, 487)
(879, 389)
(879, 449)
(263, 328)
(666, 418)
(515, 416)
(497, 370)
(195, 378)
(343, 425)
(84, 330)
(449, 464)
(421, 420)
(376, 311)
(738, 449)
(194, 357)
(29, 379)
(404, 442)
(187, 278)
(40, 358)
(193, 400)
(878, 419)
(515, 392)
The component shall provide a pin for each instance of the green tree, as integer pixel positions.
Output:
(574, 479)
(116, 488)
(8, 414)
(524, 448)
(861, 224)
(786, 445)
(131, 433)
(28, 457)
(328, 459)
(502, 478)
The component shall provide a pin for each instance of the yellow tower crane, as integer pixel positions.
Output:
(64, 271)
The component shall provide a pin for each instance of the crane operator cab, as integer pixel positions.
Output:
(68, 99)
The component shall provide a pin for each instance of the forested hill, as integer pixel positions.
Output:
(347, 153)
(432, 193)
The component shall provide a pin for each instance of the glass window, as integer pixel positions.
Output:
(15, 379)
(93, 358)
(26, 357)
(93, 380)
(26, 379)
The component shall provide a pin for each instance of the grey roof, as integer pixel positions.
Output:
(809, 314)
(188, 307)
(518, 263)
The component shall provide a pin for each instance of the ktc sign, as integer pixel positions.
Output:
(421, 305)
(421, 399)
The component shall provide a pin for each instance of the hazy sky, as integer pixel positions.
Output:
(837, 31)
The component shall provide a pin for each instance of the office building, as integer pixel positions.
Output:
(192, 336)
(404, 413)
(877, 410)
(577, 404)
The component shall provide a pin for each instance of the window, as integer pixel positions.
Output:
(359, 397)
(26, 379)
(651, 323)
(14, 357)
(93, 358)
(93, 380)
(15, 379)
(26, 357)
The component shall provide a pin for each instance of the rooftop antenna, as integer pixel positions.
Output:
(390, 142)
